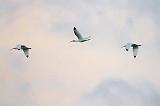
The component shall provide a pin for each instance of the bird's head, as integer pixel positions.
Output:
(127, 49)
(74, 28)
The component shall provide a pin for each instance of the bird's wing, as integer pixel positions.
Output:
(26, 52)
(77, 33)
(135, 51)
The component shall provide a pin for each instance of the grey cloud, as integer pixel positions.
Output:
(149, 8)
(146, 6)
(122, 93)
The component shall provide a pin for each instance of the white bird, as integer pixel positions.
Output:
(24, 48)
(135, 48)
(79, 36)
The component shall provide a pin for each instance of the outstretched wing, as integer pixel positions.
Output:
(77, 33)
(135, 51)
(26, 52)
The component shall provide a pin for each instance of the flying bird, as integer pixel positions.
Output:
(79, 36)
(24, 48)
(134, 46)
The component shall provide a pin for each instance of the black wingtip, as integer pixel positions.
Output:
(74, 28)
(126, 49)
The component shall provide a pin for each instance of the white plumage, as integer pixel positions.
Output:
(79, 36)
(24, 48)
(134, 46)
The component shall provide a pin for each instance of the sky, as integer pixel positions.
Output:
(94, 73)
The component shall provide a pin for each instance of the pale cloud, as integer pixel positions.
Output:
(59, 72)
(122, 93)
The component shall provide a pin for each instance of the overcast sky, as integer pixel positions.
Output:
(94, 73)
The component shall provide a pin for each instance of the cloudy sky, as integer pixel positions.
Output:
(94, 73)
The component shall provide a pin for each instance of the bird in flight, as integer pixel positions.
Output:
(79, 36)
(24, 48)
(134, 46)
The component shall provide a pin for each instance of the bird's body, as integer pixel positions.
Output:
(79, 36)
(134, 46)
(24, 48)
